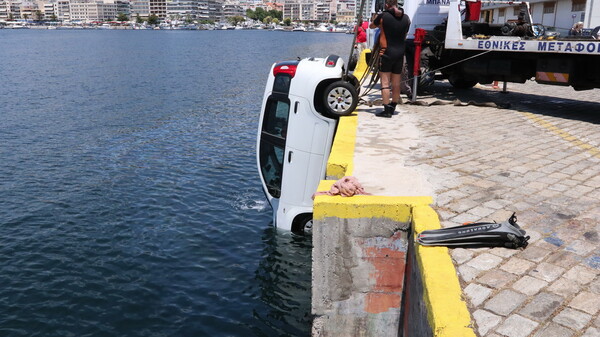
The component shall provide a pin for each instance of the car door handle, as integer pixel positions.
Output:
(296, 107)
(290, 156)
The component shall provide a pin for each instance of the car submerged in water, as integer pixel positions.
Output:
(301, 105)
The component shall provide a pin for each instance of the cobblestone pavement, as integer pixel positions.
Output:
(539, 158)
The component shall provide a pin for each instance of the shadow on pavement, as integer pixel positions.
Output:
(555, 106)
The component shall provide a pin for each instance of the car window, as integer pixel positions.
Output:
(271, 166)
(276, 117)
(272, 142)
(282, 83)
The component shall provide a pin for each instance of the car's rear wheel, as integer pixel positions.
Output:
(340, 98)
(303, 224)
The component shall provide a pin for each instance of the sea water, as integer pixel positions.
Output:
(130, 203)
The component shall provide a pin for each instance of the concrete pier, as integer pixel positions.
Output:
(439, 166)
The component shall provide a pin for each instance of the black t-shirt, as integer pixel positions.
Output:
(394, 29)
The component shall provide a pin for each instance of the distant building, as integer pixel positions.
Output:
(106, 10)
(321, 11)
(158, 8)
(61, 10)
(140, 7)
(10, 9)
(231, 9)
(182, 9)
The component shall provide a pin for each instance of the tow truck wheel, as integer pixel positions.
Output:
(340, 98)
(460, 83)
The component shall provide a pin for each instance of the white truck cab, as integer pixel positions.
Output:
(298, 119)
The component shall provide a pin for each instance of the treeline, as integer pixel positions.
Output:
(260, 14)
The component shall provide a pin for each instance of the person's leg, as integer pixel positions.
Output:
(385, 87)
(396, 78)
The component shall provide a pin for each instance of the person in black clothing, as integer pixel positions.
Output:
(393, 26)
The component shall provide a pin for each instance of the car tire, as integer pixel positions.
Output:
(340, 99)
(302, 224)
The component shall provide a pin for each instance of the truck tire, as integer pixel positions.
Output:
(461, 83)
(340, 99)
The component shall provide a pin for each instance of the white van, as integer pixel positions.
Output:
(298, 119)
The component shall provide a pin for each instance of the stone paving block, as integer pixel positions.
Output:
(462, 205)
(597, 321)
(563, 259)
(485, 261)
(547, 272)
(580, 274)
(595, 286)
(572, 318)
(564, 287)
(554, 330)
(591, 332)
(534, 235)
(467, 273)
(517, 326)
(536, 185)
(581, 247)
(534, 253)
(542, 306)
(496, 204)
(558, 187)
(586, 301)
(477, 294)
(464, 217)
(505, 302)
(496, 278)
(504, 252)
(480, 211)
(517, 265)
(521, 206)
(485, 321)
(529, 285)
(461, 255)
(593, 261)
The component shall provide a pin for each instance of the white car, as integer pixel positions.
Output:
(298, 119)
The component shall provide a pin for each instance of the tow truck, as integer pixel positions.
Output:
(458, 47)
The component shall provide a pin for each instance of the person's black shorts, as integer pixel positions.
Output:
(391, 64)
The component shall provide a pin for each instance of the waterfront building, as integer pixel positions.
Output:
(10, 9)
(27, 10)
(561, 14)
(232, 8)
(324, 11)
(106, 10)
(141, 8)
(158, 8)
(343, 11)
(182, 9)
(300, 10)
(61, 10)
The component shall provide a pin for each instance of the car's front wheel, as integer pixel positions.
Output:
(340, 98)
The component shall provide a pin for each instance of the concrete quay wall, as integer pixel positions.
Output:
(369, 279)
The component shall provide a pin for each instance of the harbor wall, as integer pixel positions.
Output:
(369, 278)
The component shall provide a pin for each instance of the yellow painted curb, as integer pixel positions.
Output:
(447, 312)
(366, 206)
(361, 65)
(341, 158)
